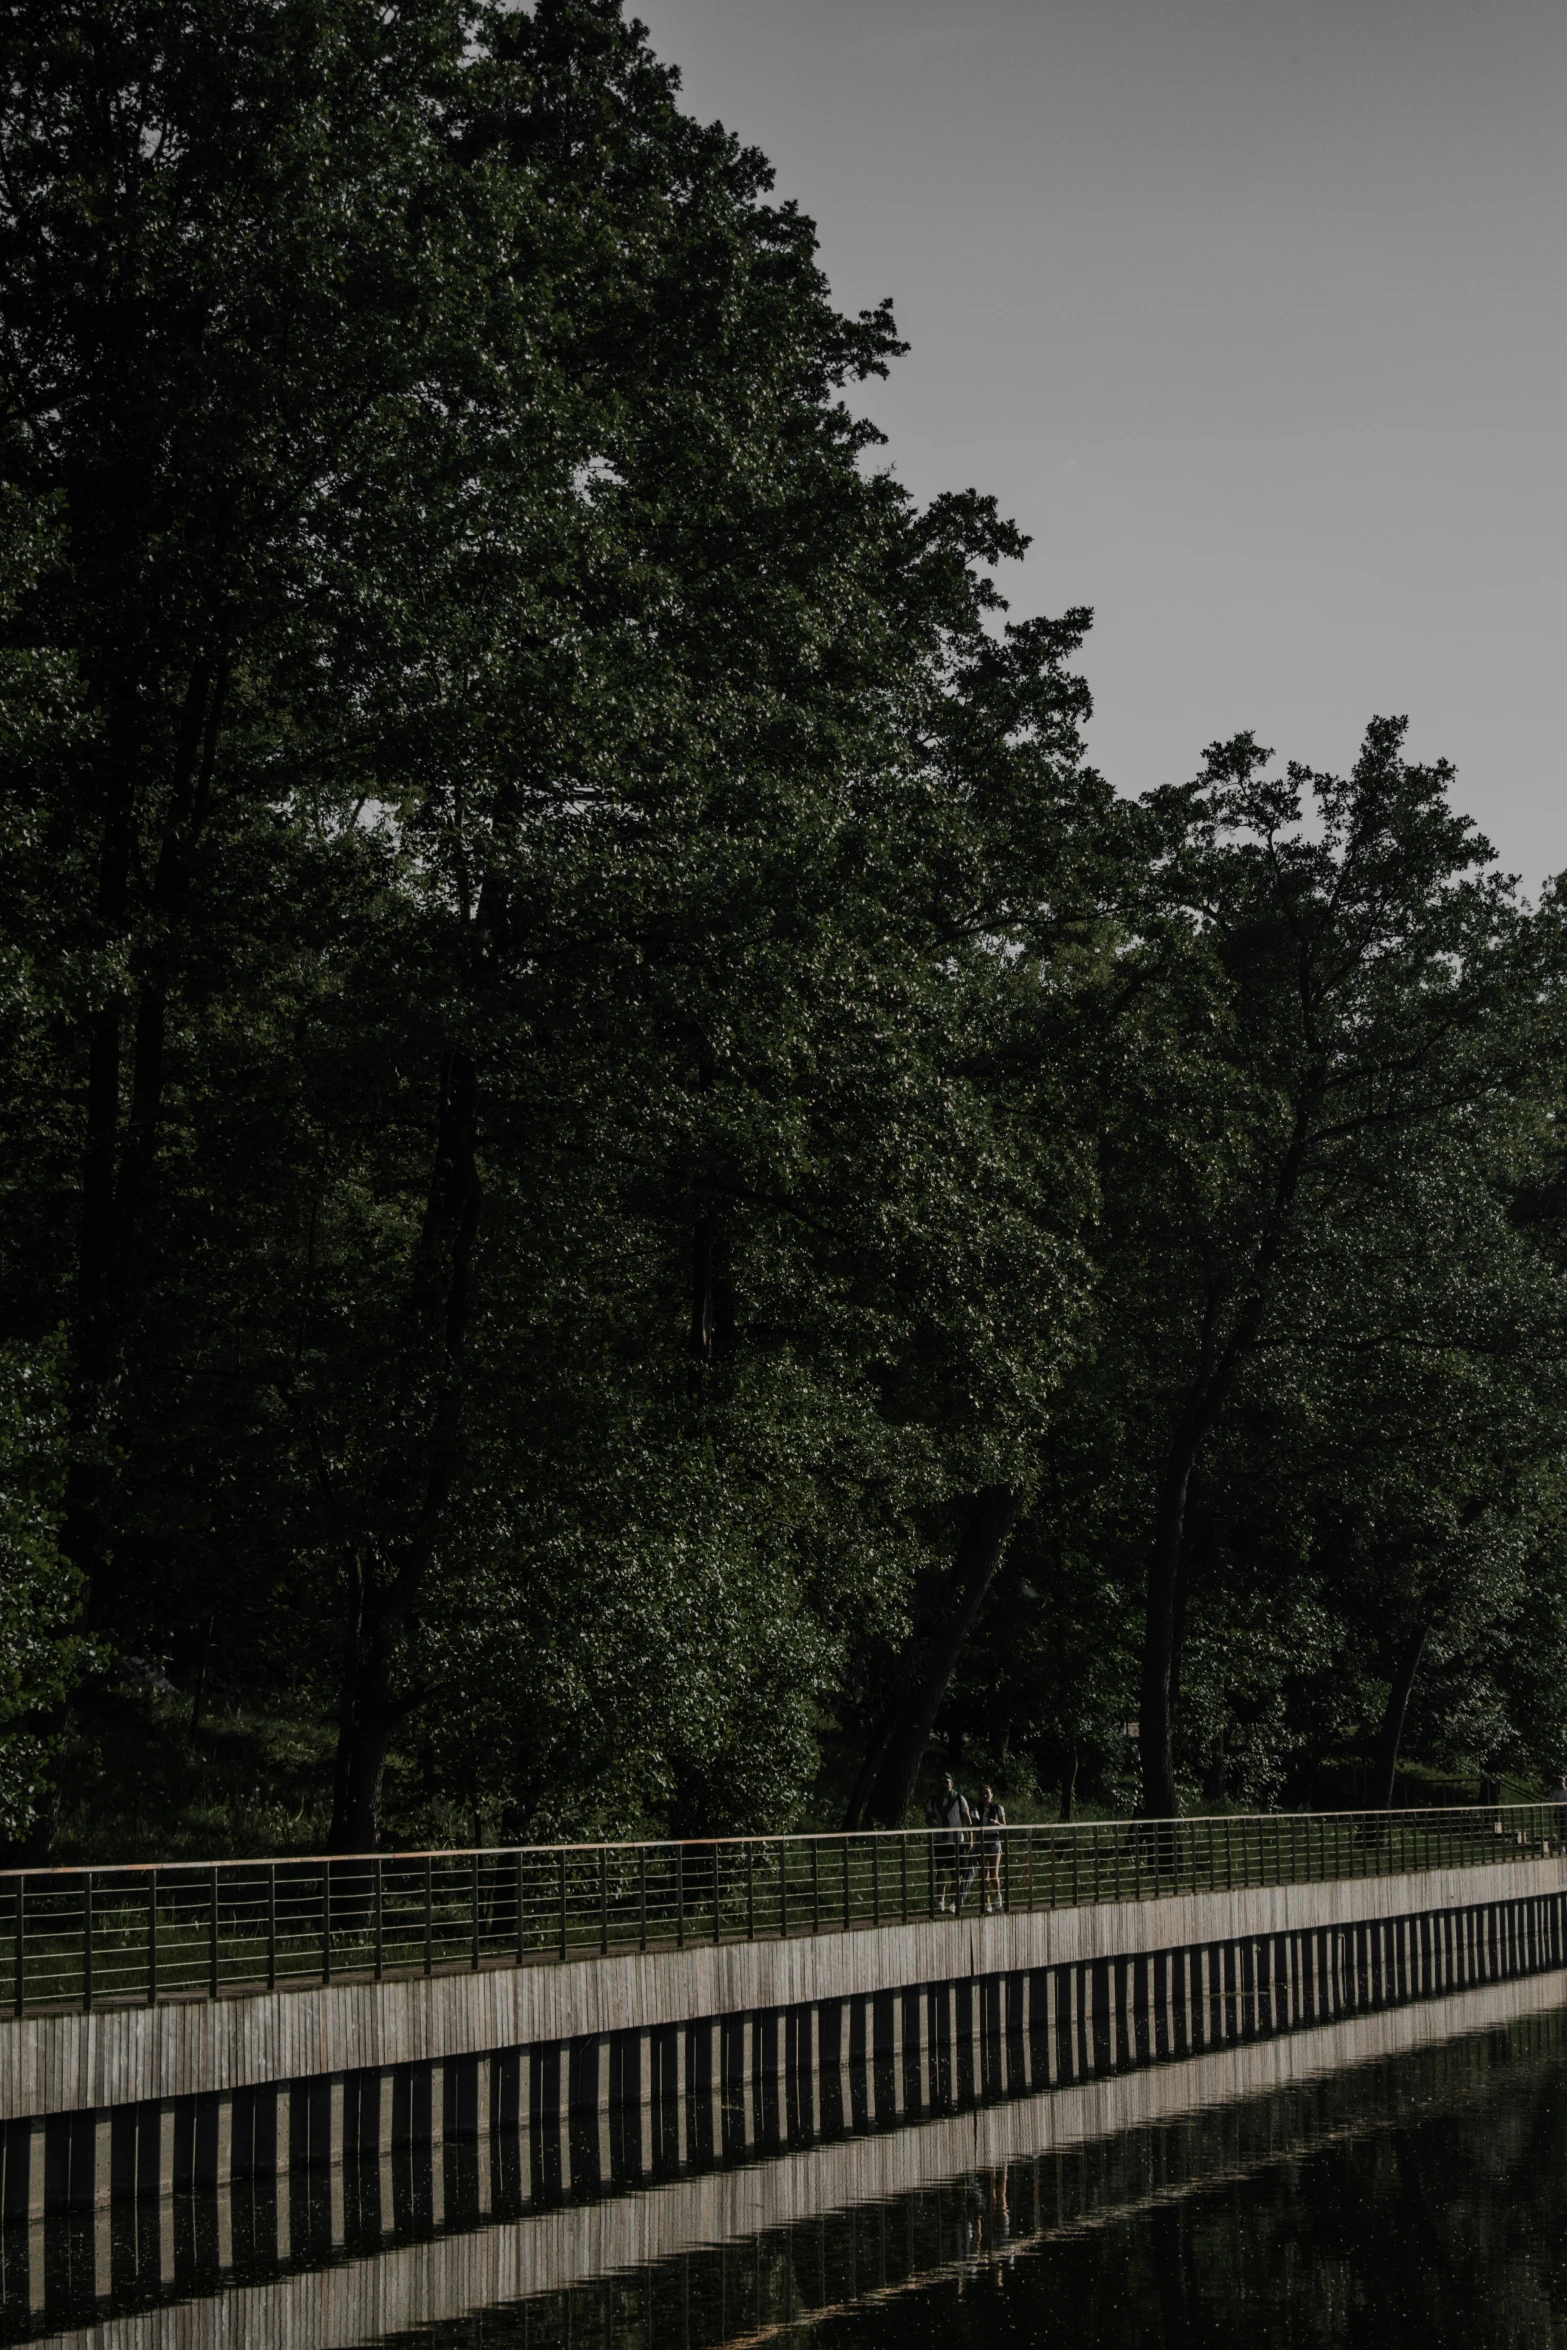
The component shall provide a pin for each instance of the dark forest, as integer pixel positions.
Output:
(634, 1202)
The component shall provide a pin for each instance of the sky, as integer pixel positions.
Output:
(1249, 311)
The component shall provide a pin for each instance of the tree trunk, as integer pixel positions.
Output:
(1156, 1717)
(989, 1518)
(95, 1339)
(199, 1700)
(95, 1248)
(347, 1697)
(1068, 1785)
(382, 1601)
(1218, 1362)
(356, 1822)
(712, 1303)
(703, 1316)
(117, 1172)
(1384, 1763)
(875, 1756)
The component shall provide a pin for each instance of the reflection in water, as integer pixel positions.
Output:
(1392, 2177)
(1417, 2200)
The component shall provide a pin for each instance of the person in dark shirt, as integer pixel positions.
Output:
(992, 1818)
(956, 1823)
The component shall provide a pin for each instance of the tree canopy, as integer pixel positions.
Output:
(631, 1192)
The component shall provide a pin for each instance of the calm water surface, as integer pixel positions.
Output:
(1416, 2200)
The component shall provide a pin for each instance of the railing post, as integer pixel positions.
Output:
(718, 1867)
(563, 1926)
(87, 1939)
(816, 1887)
(750, 1891)
(680, 1897)
(326, 1921)
(20, 2000)
(473, 1895)
(875, 1880)
(272, 1925)
(603, 1901)
(429, 1913)
(380, 1918)
(213, 1889)
(848, 1854)
(903, 1869)
(783, 1890)
(642, 1891)
(522, 1943)
(152, 1937)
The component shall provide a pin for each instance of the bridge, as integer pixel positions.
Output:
(308, 2049)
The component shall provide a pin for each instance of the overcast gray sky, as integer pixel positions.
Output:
(1250, 311)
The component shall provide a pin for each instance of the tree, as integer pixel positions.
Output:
(515, 897)
(1306, 996)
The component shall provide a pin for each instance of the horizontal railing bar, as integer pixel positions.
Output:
(795, 1837)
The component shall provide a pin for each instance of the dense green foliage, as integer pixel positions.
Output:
(627, 1188)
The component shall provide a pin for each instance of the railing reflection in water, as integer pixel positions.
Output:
(974, 2231)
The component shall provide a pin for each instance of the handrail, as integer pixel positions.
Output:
(151, 1932)
(1194, 1819)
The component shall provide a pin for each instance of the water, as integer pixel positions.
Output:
(1418, 2200)
(1397, 2178)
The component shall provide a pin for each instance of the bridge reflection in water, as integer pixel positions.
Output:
(857, 2190)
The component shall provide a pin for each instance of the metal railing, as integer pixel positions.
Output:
(88, 1937)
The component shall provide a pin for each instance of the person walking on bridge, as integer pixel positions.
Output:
(992, 1819)
(1558, 1798)
(957, 1823)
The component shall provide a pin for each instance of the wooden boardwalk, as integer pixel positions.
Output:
(54, 2063)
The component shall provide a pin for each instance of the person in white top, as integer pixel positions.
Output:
(992, 1818)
